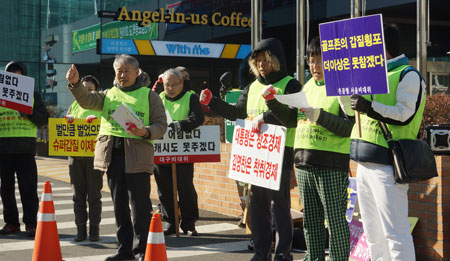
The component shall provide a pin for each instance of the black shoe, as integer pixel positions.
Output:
(30, 230)
(81, 234)
(169, 229)
(251, 245)
(10, 229)
(120, 257)
(191, 233)
(94, 233)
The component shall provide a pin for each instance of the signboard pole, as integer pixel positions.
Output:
(354, 12)
(175, 199)
(245, 218)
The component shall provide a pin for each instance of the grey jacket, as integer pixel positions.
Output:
(138, 152)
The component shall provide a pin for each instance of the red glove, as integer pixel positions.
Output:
(90, 118)
(130, 126)
(69, 118)
(205, 96)
(268, 93)
(160, 80)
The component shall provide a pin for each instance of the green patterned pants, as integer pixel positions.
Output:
(324, 197)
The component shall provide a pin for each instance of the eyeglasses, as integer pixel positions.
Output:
(316, 64)
(172, 85)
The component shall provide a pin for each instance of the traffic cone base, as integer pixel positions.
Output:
(156, 247)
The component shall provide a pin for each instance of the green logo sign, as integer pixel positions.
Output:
(86, 38)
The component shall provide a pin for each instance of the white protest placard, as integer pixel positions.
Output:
(17, 92)
(257, 158)
(297, 100)
(202, 144)
(124, 115)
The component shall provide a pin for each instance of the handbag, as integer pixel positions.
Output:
(412, 160)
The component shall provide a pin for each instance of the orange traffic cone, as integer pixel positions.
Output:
(156, 247)
(46, 241)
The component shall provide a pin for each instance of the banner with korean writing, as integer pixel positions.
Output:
(199, 145)
(86, 38)
(359, 250)
(17, 92)
(353, 56)
(257, 158)
(72, 139)
(351, 202)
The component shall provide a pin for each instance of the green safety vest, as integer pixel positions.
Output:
(78, 112)
(179, 109)
(137, 100)
(371, 132)
(256, 104)
(310, 135)
(14, 125)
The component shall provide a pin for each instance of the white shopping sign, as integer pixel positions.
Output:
(257, 158)
(16, 92)
(199, 145)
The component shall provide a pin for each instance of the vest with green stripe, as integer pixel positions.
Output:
(179, 109)
(78, 112)
(371, 132)
(310, 135)
(256, 104)
(14, 125)
(138, 102)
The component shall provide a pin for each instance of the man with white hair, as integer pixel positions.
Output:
(125, 155)
(186, 113)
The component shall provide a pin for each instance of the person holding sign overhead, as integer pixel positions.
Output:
(322, 147)
(125, 155)
(186, 113)
(384, 203)
(86, 181)
(268, 64)
(18, 132)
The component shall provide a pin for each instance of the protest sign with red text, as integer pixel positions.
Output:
(16, 92)
(202, 144)
(257, 158)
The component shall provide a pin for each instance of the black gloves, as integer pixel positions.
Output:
(360, 104)
(225, 81)
(175, 125)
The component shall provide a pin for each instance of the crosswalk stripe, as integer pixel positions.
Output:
(68, 201)
(185, 251)
(110, 238)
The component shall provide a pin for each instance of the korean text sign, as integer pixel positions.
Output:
(16, 92)
(72, 139)
(351, 192)
(257, 158)
(202, 144)
(359, 249)
(353, 56)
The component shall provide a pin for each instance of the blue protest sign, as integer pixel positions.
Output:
(353, 56)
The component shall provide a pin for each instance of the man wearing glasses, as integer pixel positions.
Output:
(185, 111)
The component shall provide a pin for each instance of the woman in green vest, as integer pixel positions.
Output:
(86, 181)
(268, 64)
(322, 147)
(186, 114)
